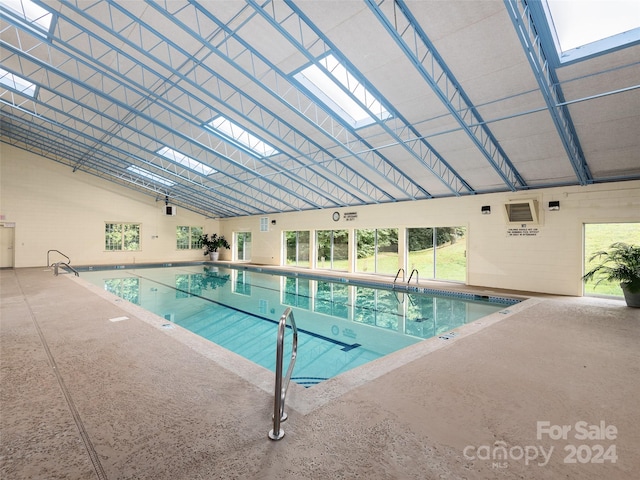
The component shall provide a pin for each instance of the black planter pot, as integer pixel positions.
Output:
(632, 299)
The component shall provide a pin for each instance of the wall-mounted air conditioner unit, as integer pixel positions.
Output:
(170, 210)
(519, 212)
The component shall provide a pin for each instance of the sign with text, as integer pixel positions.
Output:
(523, 231)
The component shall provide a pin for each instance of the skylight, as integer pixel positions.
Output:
(17, 83)
(151, 176)
(188, 162)
(31, 13)
(328, 90)
(582, 28)
(241, 137)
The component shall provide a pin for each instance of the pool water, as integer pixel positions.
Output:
(341, 324)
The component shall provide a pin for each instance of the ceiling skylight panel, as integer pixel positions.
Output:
(15, 82)
(327, 88)
(151, 176)
(31, 13)
(580, 28)
(241, 137)
(183, 160)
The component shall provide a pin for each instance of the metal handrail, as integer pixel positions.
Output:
(281, 386)
(58, 251)
(399, 270)
(414, 270)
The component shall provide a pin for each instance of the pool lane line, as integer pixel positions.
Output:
(345, 346)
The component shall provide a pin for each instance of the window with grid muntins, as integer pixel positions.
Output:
(188, 238)
(121, 236)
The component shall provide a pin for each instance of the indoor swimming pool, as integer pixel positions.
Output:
(342, 323)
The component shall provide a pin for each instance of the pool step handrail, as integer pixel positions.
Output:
(283, 384)
(398, 274)
(416, 272)
(49, 264)
(57, 265)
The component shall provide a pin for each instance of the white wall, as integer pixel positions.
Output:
(54, 208)
(549, 262)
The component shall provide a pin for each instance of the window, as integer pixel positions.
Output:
(332, 248)
(580, 29)
(241, 137)
(328, 90)
(122, 236)
(377, 251)
(243, 246)
(185, 161)
(297, 248)
(445, 262)
(38, 19)
(188, 238)
(264, 224)
(15, 82)
(599, 237)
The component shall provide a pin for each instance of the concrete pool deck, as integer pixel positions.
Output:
(94, 388)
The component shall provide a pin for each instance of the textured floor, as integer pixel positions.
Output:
(84, 397)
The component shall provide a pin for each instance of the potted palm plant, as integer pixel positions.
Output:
(212, 243)
(621, 263)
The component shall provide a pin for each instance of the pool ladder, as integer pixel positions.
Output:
(57, 265)
(283, 384)
(415, 270)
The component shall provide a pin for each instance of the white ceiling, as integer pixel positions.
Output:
(117, 81)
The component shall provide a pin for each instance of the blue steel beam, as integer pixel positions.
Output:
(139, 120)
(281, 88)
(43, 141)
(397, 127)
(413, 41)
(124, 159)
(136, 118)
(304, 33)
(260, 117)
(520, 14)
(89, 119)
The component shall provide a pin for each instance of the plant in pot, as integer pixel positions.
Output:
(621, 263)
(212, 243)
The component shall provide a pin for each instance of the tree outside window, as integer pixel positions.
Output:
(122, 236)
(188, 238)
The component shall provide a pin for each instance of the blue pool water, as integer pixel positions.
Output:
(341, 324)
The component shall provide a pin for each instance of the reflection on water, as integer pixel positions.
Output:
(343, 324)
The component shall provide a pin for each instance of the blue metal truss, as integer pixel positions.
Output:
(41, 139)
(134, 137)
(403, 27)
(520, 14)
(199, 76)
(229, 46)
(289, 20)
(141, 121)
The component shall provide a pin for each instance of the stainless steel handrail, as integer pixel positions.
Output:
(281, 385)
(399, 270)
(58, 251)
(414, 270)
